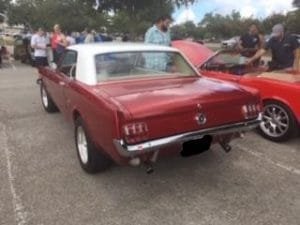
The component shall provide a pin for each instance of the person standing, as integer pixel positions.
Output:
(283, 47)
(70, 39)
(90, 38)
(250, 43)
(39, 44)
(159, 33)
(58, 43)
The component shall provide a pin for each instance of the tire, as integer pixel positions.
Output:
(279, 123)
(47, 101)
(91, 159)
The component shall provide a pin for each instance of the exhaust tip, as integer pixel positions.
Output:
(135, 162)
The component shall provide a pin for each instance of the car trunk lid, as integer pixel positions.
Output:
(171, 106)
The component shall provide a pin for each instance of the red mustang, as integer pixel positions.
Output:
(280, 91)
(130, 102)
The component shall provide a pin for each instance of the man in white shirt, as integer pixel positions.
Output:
(39, 43)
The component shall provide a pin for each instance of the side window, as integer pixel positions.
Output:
(68, 63)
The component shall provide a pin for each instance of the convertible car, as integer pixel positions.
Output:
(131, 102)
(280, 90)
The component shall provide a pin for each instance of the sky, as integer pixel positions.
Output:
(247, 8)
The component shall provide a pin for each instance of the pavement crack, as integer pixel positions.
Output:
(21, 216)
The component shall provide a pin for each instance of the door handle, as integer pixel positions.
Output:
(61, 83)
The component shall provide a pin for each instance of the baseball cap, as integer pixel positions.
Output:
(277, 30)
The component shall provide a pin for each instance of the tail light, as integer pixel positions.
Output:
(135, 132)
(251, 110)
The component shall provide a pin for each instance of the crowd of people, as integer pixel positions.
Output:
(50, 46)
(251, 45)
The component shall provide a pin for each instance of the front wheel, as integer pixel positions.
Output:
(90, 158)
(278, 122)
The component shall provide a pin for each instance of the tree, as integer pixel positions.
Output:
(296, 3)
(186, 30)
(70, 14)
(134, 5)
(78, 14)
(4, 5)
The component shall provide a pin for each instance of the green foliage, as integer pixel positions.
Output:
(134, 17)
(296, 3)
(219, 26)
(4, 5)
(187, 30)
(70, 14)
(136, 20)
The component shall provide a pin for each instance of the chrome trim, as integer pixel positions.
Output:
(149, 146)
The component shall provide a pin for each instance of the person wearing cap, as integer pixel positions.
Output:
(283, 47)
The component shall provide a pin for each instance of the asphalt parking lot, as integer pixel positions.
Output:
(41, 182)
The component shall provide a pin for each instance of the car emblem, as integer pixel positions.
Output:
(201, 119)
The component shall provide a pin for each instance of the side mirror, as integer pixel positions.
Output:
(53, 66)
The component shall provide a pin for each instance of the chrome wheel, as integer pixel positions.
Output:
(82, 145)
(275, 121)
(45, 98)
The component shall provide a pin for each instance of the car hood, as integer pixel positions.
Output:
(146, 98)
(197, 54)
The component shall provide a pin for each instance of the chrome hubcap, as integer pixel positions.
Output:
(82, 145)
(44, 97)
(275, 121)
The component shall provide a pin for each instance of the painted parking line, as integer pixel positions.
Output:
(19, 210)
(277, 164)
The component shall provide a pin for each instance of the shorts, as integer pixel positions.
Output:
(40, 61)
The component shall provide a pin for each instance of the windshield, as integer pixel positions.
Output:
(226, 57)
(123, 65)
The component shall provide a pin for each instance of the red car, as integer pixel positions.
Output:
(280, 90)
(131, 102)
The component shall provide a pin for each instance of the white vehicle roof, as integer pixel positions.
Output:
(85, 68)
(107, 47)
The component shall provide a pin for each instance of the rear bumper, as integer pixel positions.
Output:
(149, 146)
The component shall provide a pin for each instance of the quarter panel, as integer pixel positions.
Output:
(287, 93)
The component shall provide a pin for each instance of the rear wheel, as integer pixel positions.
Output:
(91, 159)
(47, 101)
(278, 123)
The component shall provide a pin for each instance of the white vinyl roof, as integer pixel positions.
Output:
(85, 68)
(106, 47)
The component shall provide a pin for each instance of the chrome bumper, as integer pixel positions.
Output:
(131, 150)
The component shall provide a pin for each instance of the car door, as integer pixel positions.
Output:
(66, 73)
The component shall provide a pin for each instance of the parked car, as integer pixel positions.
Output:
(230, 43)
(131, 102)
(280, 90)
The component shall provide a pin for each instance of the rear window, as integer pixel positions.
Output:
(139, 64)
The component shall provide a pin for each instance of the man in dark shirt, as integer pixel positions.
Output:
(250, 42)
(283, 47)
